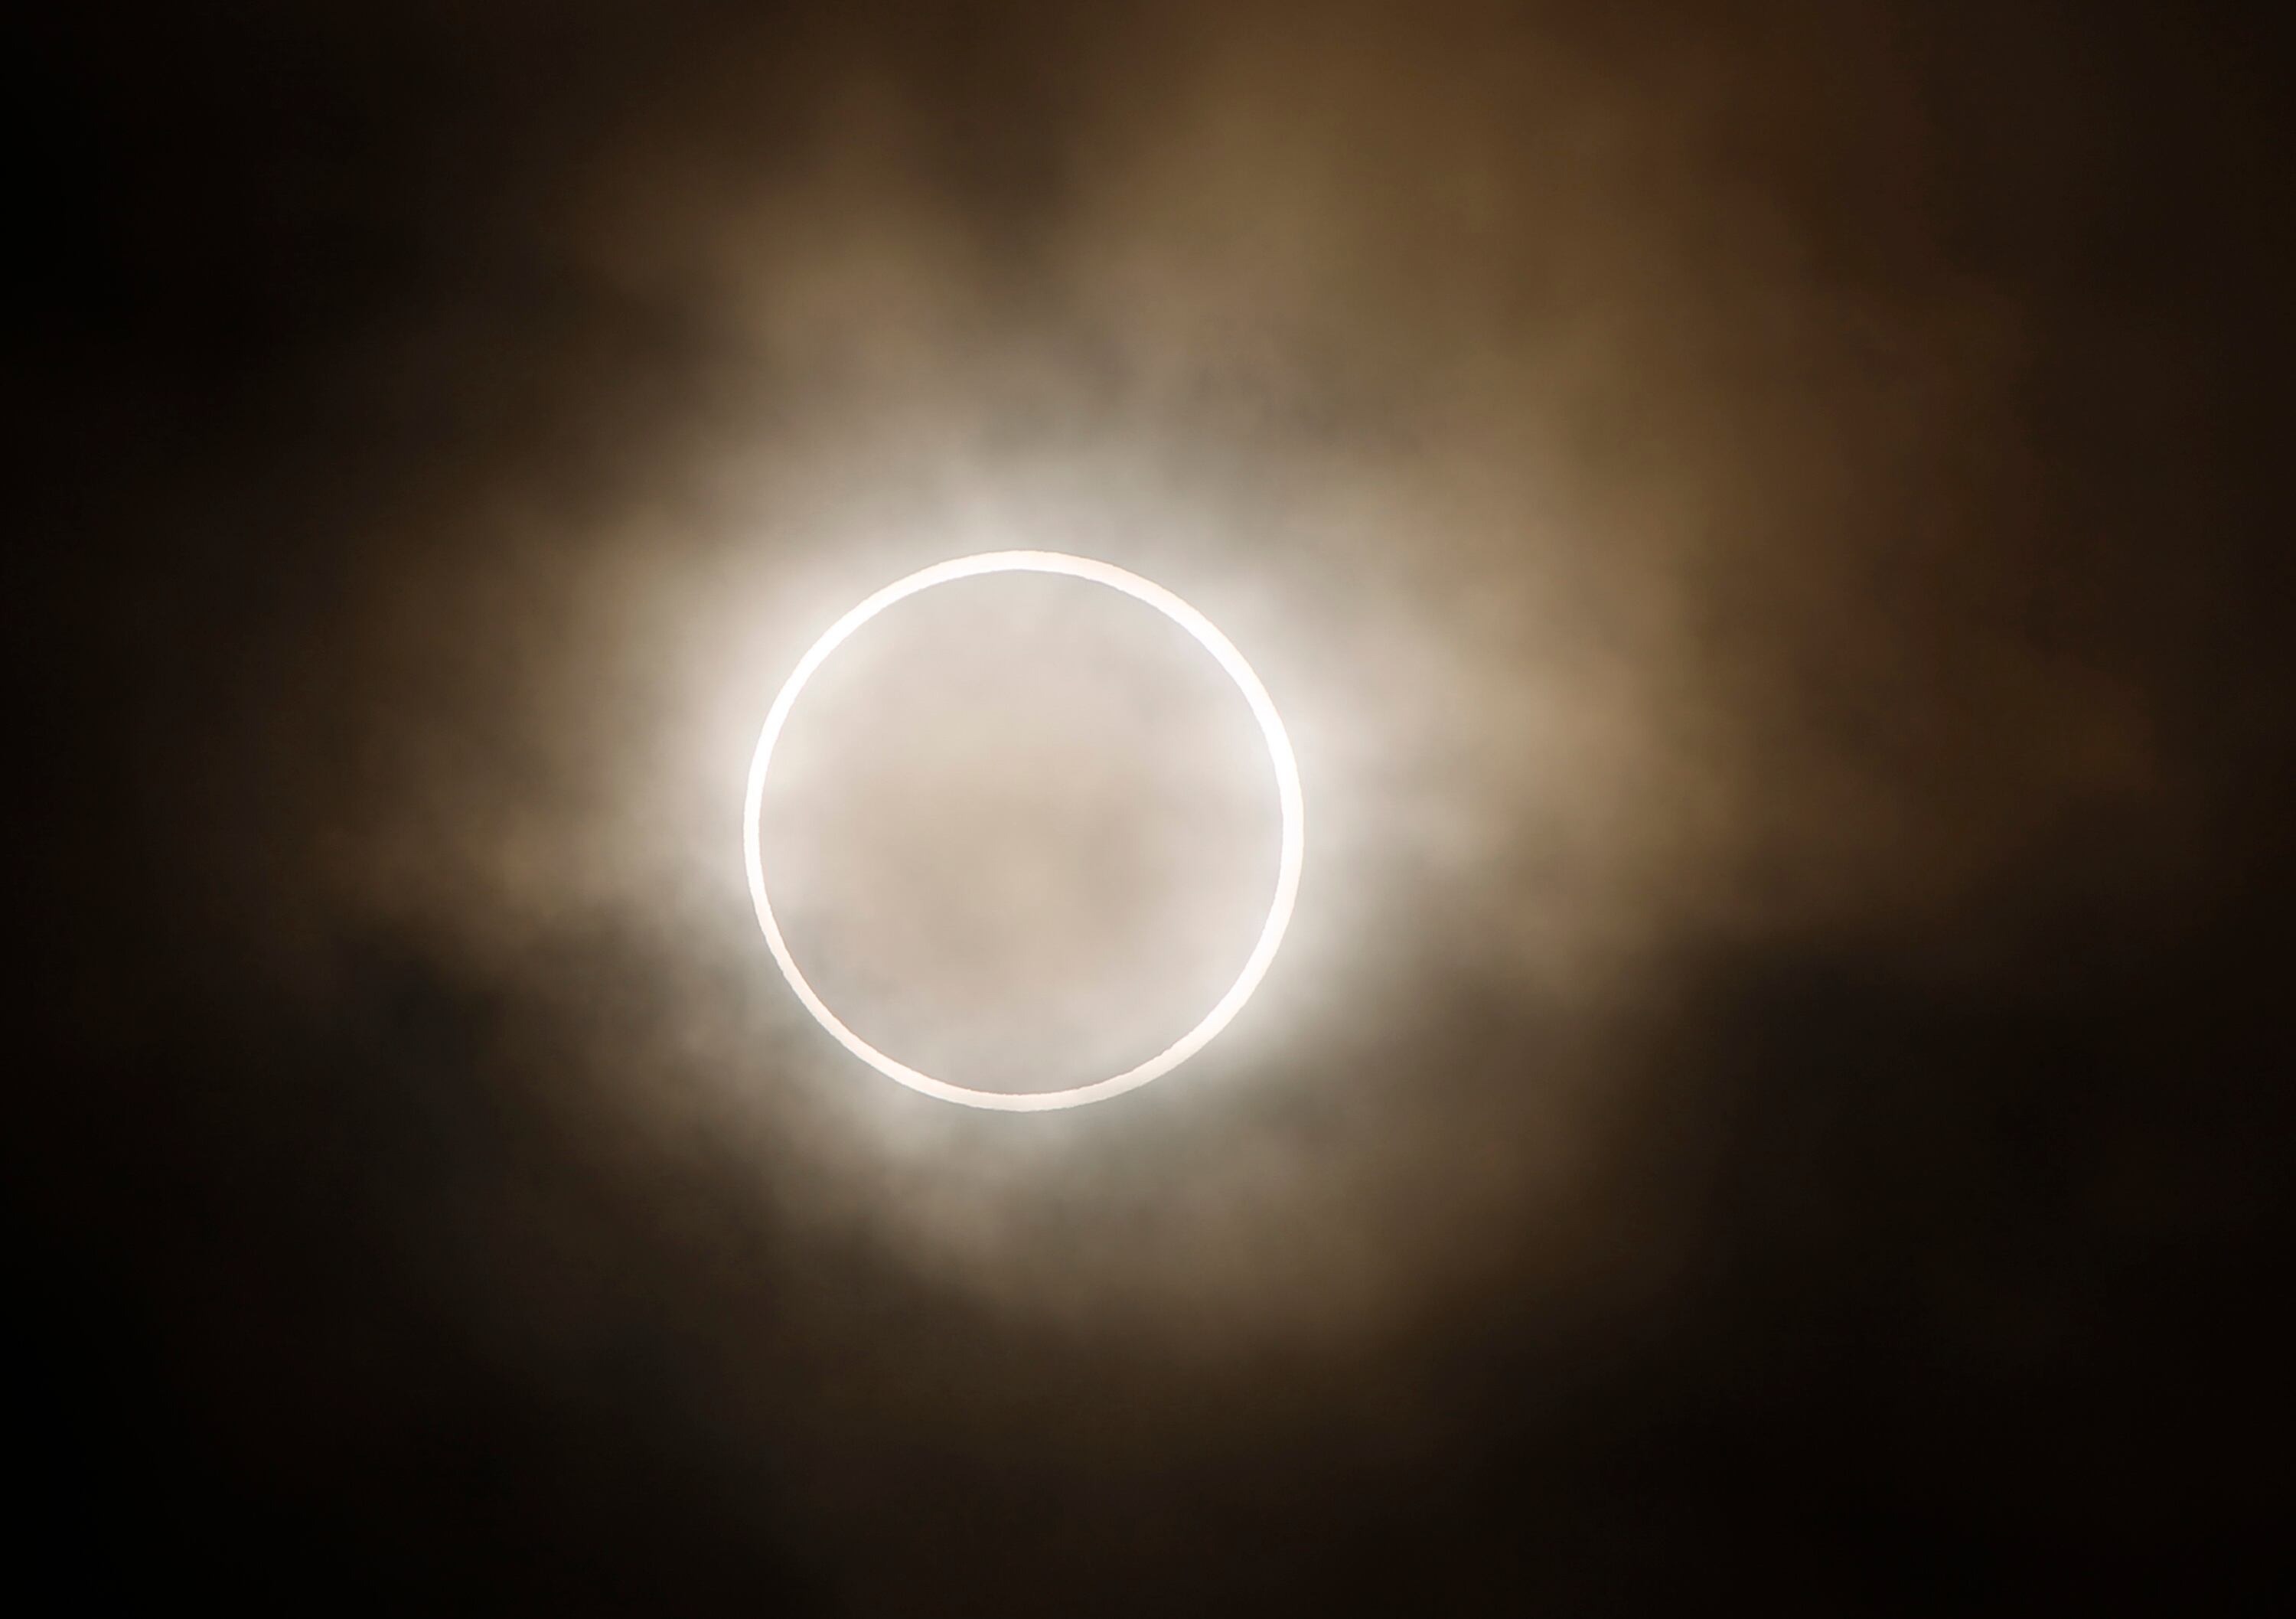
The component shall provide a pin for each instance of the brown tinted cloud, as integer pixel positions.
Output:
(1750, 540)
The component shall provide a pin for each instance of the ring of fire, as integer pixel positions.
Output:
(1279, 754)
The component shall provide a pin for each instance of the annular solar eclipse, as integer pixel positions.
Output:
(1280, 758)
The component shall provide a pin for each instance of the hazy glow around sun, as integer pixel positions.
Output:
(1280, 756)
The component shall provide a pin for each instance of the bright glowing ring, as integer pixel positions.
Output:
(1279, 754)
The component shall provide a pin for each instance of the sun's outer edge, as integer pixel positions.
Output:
(1288, 796)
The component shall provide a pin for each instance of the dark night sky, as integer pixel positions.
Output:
(1769, 524)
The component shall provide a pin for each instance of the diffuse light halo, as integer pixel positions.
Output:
(1279, 753)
